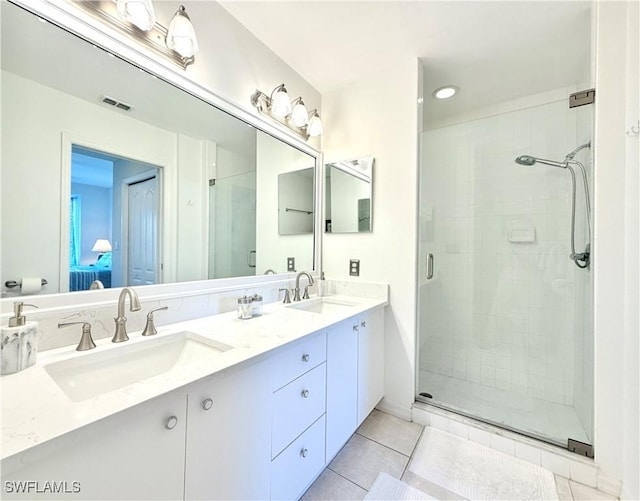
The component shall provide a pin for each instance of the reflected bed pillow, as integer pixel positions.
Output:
(104, 261)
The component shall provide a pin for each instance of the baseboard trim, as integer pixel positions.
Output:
(396, 410)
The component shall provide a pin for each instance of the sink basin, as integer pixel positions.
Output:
(322, 305)
(97, 373)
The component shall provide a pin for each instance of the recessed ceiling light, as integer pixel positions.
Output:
(445, 92)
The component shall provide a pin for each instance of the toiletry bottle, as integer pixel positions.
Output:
(18, 341)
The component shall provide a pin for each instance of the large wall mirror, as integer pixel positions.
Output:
(111, 173)
(349, 196)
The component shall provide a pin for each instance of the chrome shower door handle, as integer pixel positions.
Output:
(429, 266)
(249, 260)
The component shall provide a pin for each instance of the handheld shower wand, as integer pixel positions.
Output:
(581, 259)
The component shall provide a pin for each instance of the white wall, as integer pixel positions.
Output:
(362, 120)
(273, 158)
(616, 249)
(95, 218)
(631, 395)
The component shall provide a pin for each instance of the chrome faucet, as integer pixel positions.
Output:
(121, 320)
(296, 291)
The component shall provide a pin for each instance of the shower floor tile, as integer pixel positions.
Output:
(549, 420)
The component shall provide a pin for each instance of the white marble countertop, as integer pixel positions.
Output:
(35, 409)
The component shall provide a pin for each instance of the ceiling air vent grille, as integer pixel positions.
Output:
(118, 104)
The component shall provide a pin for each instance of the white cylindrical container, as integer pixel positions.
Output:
(245, 307)
(257, 305)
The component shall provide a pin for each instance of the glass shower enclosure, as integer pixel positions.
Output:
(504, 315)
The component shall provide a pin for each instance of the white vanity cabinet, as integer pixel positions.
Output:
(370, 361)
(135, 454)
(342, 384)
(298, 425)
(228, 449)
(263, 428)
(355, 375)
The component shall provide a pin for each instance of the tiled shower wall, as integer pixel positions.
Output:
(507, 308)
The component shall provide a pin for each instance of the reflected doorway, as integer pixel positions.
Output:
(114, 221)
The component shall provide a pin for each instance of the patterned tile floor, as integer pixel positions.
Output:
(385, 443)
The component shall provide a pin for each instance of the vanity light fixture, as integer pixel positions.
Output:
(315, 124)
(181, 36)
(293, 114)
(299, 113)
(138, 12)
(445, 92)
(280, 104)
(137, 19)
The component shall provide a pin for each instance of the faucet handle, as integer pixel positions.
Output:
(150, 328)
(306, 291)
(86, 341)
(287, 297)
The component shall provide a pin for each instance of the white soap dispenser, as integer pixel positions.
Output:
(18, 342)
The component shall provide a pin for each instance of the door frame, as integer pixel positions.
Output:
(167, 178)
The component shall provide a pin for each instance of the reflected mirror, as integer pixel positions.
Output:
(349, 196)
(295, 202)
(98, 154)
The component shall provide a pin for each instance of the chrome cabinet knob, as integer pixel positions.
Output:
(207, 403)
(304, 452)
(305, 393)
(306, 357)
(363, 324)
(171, 422)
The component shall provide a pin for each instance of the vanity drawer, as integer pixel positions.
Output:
(296, 406)
(299, 464)
(295, 361)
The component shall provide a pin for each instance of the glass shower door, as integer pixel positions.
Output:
(232, 226)
(504, 323)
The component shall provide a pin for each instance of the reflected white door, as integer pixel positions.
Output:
(142, 234)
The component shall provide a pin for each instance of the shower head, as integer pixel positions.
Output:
(525, 160)
(529, 160)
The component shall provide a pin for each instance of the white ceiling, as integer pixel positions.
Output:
(494, 51)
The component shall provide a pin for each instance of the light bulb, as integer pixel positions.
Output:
(299, 114)
(280, 103)
(137, 12)
(315, 125)
(181, 36)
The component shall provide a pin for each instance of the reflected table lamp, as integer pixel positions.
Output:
(101, 246)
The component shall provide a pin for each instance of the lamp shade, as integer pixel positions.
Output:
(299, 114)
(138, 12)
(101, 245)
(280, 103)
(181, 35)
(315, 124)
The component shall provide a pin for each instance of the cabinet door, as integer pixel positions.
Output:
(298, 465)
(229, 435)
(135, 454)
(370, 362)
(342, 384)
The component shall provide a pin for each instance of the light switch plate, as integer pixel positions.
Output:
(291, 264)
(354, 267)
